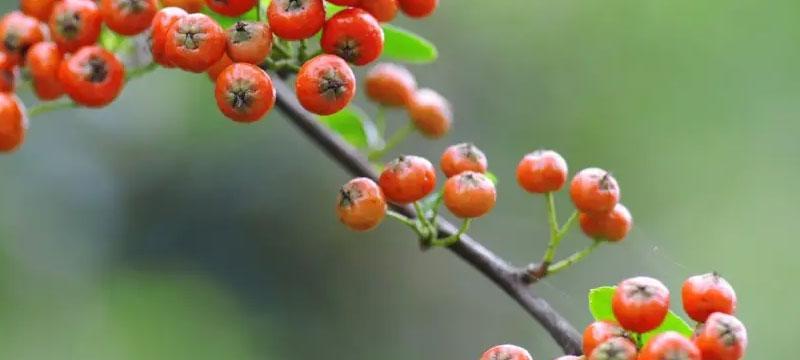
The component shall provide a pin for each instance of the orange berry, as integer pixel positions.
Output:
(431, 113)
(542, 171)
(390, 85)
(469, 195)
(361, 205)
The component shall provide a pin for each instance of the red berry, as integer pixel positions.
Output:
(612, 226)
(244, 92)
(407, 179)
(325, 84)
(463, 157)
(640, 304)
(40, 9)
(722, 337)
(361, 205)
(75, 24)
(506, 352)
(706, 294)
(231, 8)
(7, 68)
(216, 69)
(13, 122)
(18, 32)
(161, 24)
(542, 171)
(382, 10)
(195, 42)
(92, 77)
(670, 346)
(617, 348)
(390, 85)
(418, 8)
(469, 195)
(594, 190)
(599, 332)
(296, 19)
(128, 17)
(44, 60)
(249, 42)
(431, 113)
(354, 35)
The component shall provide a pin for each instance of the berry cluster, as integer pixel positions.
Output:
(640, 305)
(56, 45)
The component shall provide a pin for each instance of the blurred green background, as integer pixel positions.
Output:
(156, 229)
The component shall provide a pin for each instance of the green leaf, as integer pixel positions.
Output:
(600, 307)
(354, 126)
(111, 41)
(226, 22)
(403, 45)
(491, 177)
(332, 9)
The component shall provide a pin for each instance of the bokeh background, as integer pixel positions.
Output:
(156, 229)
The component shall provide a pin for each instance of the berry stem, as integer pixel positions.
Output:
(380, 121)
(430, 231)
(280, 50)
(302, 51)
(436, 206)
(51, 106)
(573, 259)
(567, 225)
(404, 220)
(555, 237)
(393, 141)
(452, 239)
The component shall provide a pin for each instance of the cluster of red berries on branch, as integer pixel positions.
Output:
(56, 45)
(470, 192)
(640, 307)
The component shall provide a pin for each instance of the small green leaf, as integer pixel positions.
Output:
(403, 45)
(600, 307)
(429, 202)
(226, 22)
(111, 41)
(600, 303)
(332, 9)
(491, 177)
(353, 125)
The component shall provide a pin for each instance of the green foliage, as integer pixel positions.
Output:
(111, 41)
(600, 307)
(354, 126)
(403, 45)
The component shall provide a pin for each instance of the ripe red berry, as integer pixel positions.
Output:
(231, 8)
(506, 352)
(75, 24)
(13, 122)
(469, 195)
(361, 205)
(161, 24)
(599, 332)
(195, 42)
(706, 294)
(612, 226)
(418, 8)
(407, 179)
(296, 19)
(463, 157)
(6, 73)
(354, 35)
(44, 60)
(18, 32)
(244, 92)
(40, 9)
(640, 304)
(542, 171)
(325, 84)
(190, 6)
(128, 17)
(216, 69)
(617, 348)
(594, 190)
(92, 77)
(390, 85)
(431, 113)
(382, 10)
(249, 42)
(722, 337)
(670, 346)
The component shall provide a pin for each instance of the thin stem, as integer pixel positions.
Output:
(393, 141)
(452, 239)
(302, 50)
(135, 73)
(567, 225)
(380, 121)
(280, 49)
(555, 239)
(436, 206)
(47, 107)
(258, 10)
(404, 220)
(573, 259)
(429, 232)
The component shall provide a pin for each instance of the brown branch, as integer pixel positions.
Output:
(507, 277)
